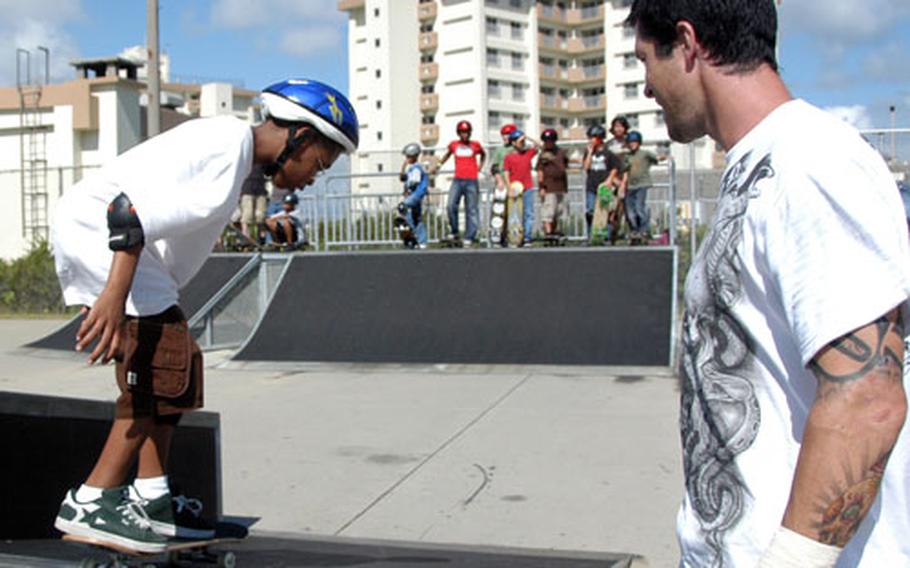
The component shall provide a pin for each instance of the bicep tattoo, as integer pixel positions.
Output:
(876, 348)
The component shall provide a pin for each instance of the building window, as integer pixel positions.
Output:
(493, 89)
(378, 104)
(629, 61)
(633, 120)
(659, 119)
(630, 90)
(518, 62)
(517, 31)
(515, 3)
(494, 118)
(428, 89)
(379, 168)
(428, 119)
(376, 12)
(426, 58)
(518, 92)
(492, 58)
(379, 135)
(376, 43)
(378, 73)
(628, 32)
(492, 27)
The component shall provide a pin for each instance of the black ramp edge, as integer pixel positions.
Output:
(542, 306)
(214, 274)
(310, 551)
(53, 442)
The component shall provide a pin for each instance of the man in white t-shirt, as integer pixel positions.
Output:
(793, 389)
(125, 241)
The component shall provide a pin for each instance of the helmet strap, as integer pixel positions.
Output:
(290, 147)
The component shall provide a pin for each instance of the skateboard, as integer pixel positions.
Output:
(178, 551)
(403, 228)
(451, 242)
(515, 218)
(233, 240)
(554, 240)
(604, 206)
(498, 217)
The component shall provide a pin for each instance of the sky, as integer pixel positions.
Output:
(851, 56)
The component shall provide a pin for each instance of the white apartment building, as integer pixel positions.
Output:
(53, 135)
(537, 63)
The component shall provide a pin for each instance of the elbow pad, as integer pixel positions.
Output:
(123, 224)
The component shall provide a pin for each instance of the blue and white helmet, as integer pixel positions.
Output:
(316, 104)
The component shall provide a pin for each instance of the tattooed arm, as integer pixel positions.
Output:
(859, 409)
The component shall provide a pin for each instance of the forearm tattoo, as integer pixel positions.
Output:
(875, 351)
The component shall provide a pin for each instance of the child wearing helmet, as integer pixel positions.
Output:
(415, 181)
(637, 180)
(553, 181)
(600, 165)
(469, 158)
(285, 227)
(125, 241)
(499, 155)
(518, 166)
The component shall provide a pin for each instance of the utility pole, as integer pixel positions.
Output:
(153, 108)
(893, 111)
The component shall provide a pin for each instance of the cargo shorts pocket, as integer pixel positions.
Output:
(157, 358)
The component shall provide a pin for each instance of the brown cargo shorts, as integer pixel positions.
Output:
(159, 369)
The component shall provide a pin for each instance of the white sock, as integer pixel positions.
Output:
(149, 487)
(86, 493)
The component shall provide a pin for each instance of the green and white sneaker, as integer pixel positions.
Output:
(111, 518)
(179, 517)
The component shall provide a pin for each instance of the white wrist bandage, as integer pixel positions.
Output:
(789, 549)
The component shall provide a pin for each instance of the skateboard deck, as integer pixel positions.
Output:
(176, 551)
(604, 206)
(405, 232)
(234, 240)
(515, 217)
(498, 217)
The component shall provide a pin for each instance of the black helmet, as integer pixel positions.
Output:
(596, 131)
(291, 198)
(549, 135)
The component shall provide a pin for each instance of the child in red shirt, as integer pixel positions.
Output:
(469, 158)
(518, 167)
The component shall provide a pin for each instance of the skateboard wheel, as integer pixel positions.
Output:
(227, 560)
(496, 222)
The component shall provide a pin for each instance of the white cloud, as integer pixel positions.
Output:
(27, 25)
(305, 29)
(844, 22)
(857, 115)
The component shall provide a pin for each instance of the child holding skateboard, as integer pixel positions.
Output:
(553, 180)
(601, 166)
(125, 240)
(518, 167)
(415, 181)
(499, 155)
(469, 158)
(637, 181)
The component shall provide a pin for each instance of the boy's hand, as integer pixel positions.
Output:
(103, 321)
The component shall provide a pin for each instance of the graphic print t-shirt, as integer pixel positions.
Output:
(603, 162)
(808, 243)
(466, 158)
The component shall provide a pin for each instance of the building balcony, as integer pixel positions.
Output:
(429, 103)
(553, 14)
(577, 45)
(588, 103)
(575, 16)
(429, 134)
(587, 74)
(550, 42)
(426, 11)
(348, 5)
(551, 72)
(552, 102)
(428, 41)
(576, 133)
(428, 71)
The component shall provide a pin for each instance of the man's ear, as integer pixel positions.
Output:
(687, 41)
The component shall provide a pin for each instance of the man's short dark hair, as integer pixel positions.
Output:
(741, 34)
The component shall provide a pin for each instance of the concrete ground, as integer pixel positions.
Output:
(583, 459)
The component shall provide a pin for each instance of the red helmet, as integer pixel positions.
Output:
(549, 134)
(508, 129)
(463, 126)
